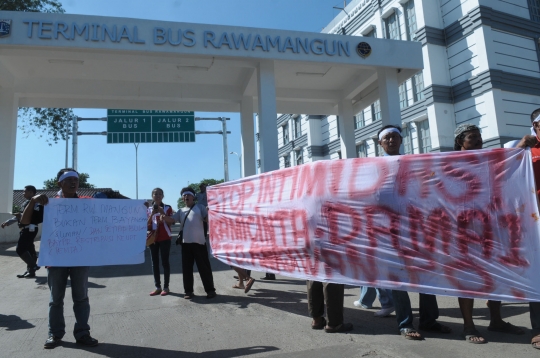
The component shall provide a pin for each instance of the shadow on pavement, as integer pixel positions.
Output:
(14, 323)
(119, 350)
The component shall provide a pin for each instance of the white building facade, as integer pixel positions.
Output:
(481, 66)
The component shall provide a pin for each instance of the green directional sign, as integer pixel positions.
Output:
(149, 126)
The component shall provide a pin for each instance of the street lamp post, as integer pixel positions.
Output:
(239, 161)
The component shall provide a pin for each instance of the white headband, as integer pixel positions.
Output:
(533, 132)
(389, 130)
(67, 175)
(187, 192)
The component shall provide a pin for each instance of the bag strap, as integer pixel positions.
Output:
(184, 223)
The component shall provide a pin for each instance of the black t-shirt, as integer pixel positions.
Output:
(37, 215)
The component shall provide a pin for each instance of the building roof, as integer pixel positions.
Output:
(18, 194)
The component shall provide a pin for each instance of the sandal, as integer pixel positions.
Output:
(507, 327)
(535, 341)
(437, 328)
(344, 327)
(473, 333)
(249, 284)
(407, 333)
(240, 287)
(321, 324)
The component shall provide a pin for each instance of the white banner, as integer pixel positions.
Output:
(93, 232)
(461, 224)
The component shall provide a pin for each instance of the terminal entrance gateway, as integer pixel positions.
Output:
(78, 61)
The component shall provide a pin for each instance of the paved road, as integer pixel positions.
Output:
(271, 321)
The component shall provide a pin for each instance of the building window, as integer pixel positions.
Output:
(425, 138)
(359, 120)
(379, 150)
(299, 157)
(372, 33)
(392, 27)
(361, 151)
(258, 163)
(534, 8)
(418, 86)
(337, 127)
(287, 160)
(407, 139)
(376, 110)
(298, 127)
(339, 155)
(285, 129)
(403, 102)
(410, 19)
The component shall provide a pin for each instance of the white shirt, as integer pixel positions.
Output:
(193, 227)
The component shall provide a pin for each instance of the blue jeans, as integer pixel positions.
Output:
(429, 310)
(534, 311)
(57, 280)
(367, 296)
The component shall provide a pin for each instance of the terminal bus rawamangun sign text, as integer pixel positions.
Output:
(149, 126)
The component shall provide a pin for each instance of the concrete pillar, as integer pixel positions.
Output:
(389, 96)
(268, 133)
(248, 137)
(8, 135)
(346, 129)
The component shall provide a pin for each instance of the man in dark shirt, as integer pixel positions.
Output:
(57, 278)
(25, 246)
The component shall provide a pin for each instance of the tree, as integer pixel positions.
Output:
(32, 5)
(83, 182)
(195, 188)
(50, 121)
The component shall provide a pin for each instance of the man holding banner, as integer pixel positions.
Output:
(534, 307)
(390, 140)
(68, 181)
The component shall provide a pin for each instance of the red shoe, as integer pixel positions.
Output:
(165, 291)
(156, 292)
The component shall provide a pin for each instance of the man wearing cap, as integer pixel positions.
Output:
(390, 140)
(68, 181)
(194, 249)
(28, 232)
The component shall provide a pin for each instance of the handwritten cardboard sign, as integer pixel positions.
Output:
(93, 232)
(461, 224)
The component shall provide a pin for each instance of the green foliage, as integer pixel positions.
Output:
(31, 5)
(55, 123)
(50, 122)
(16, 209)
(195, 188)
(83, 182)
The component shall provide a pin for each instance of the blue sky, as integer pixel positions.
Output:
(169, 166)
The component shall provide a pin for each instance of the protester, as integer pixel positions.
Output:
(468, 137)
(243, 275)
(68, 181)
(390, 140)
(194, 248)
(367, 297)
(534, 307)
(162, 243)
(28, 232)
(319, 293)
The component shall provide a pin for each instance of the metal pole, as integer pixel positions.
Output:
(239, 162)
(74, 141)
(136, 171)
(225, 151)
(67, 145)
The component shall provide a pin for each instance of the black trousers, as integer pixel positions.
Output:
(163, 247)
(333, 294)
(26, 244)
(196, 253)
